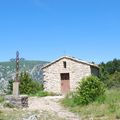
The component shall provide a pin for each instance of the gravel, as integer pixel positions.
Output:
(52, 105)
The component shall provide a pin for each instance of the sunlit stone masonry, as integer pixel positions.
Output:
(62, 75)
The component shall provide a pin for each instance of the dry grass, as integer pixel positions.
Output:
(108, 110)
(19, 114)
(1, 99)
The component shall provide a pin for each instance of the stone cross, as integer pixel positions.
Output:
(16, 82)
(17, 66)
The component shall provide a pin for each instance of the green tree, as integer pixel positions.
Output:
(112, 66)
(109, 73)
(27, 85)
(114, 80)
(104, 75)
(10, 87)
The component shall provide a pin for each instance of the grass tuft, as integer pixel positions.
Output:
(1, 99)
(43, 94)
(106, 107)
(8, 105)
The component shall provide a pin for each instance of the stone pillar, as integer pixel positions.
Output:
(16, 89)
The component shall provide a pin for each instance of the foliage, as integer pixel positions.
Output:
(101, 99)
(10, 87)
(69, 100)
(104, 75)
(114, 80)
(110, 73)
(1, 99)
(110, 67)
(109, 110)
(42, 94)
(113, 66)
(89, 89)
(27, 85)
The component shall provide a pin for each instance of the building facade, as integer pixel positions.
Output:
(62, 75)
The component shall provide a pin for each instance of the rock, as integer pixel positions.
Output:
(33, 117)
(21, 101)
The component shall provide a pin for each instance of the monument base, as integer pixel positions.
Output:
(21, 101)
(16, 89)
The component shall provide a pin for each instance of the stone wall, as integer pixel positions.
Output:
(52, 80)
(20, 102)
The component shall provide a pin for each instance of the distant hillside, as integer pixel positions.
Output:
(7, 70)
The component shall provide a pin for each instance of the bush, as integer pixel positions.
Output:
(89, 89)
(10, 87)
(110, 73)
(114, 80)
(27, 85)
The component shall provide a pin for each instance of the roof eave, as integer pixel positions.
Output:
(67, 57)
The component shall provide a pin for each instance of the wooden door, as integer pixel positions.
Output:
(65, 83)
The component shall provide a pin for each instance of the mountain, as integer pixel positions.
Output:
(7, 71)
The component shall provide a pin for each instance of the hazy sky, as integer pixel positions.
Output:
(48, 29)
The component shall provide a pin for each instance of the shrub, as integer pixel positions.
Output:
(27, 85)
(10, 87)
(114, 81)
(89, 89)
(110, 73)
(41, 94)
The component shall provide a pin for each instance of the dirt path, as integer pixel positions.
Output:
(51, 104)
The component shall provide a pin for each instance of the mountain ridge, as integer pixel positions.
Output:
(8, 70)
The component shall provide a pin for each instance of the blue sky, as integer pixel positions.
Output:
(48, 29)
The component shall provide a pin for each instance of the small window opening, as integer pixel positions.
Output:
(64, 64)
(65, 76)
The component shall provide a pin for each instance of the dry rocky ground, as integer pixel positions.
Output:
(45, 108)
